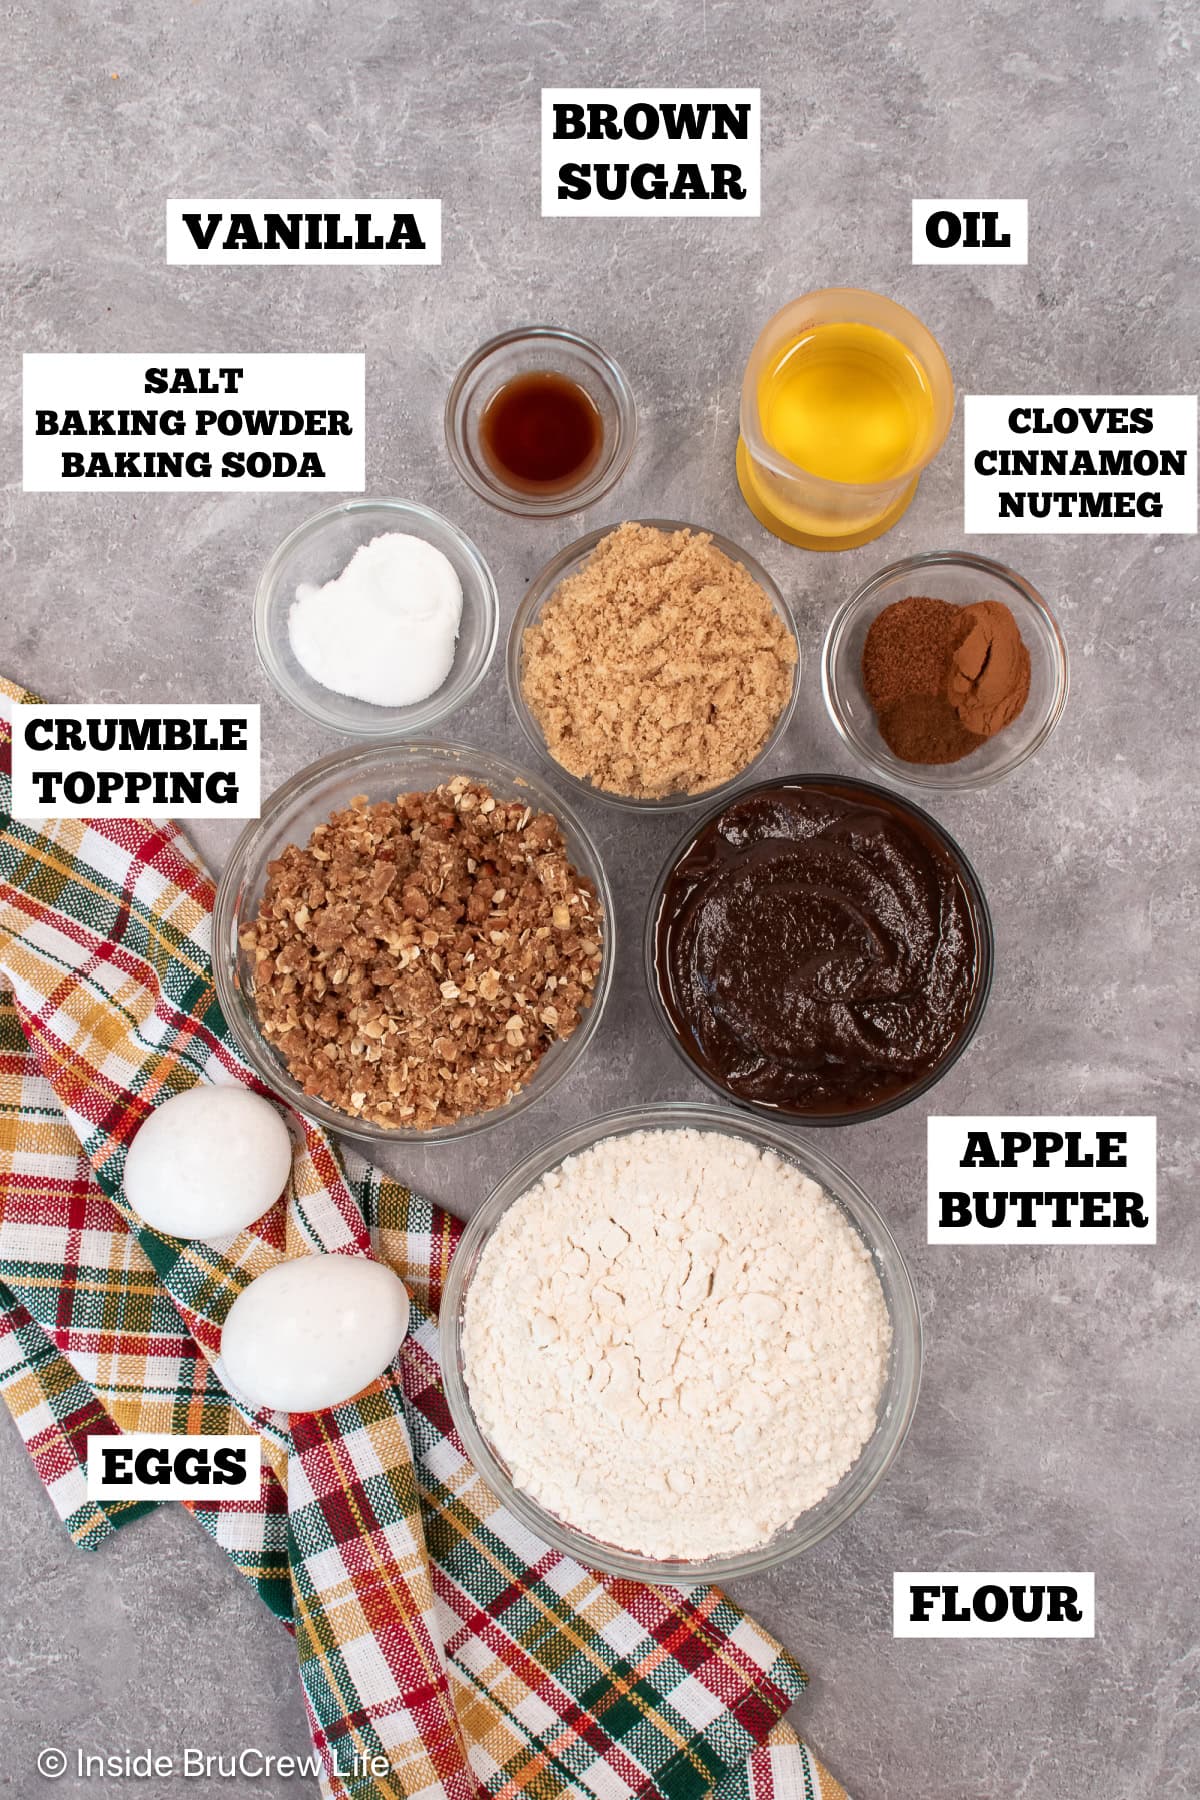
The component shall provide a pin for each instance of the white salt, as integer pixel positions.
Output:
(384, 630)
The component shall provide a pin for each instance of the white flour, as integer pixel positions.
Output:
(676, 1343)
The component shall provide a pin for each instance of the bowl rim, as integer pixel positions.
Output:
(604, 477)
(235, 1004)
(540, 590)
(423, 715)
(898, 1401)
(980, 910)
(938, 777)
(750, 426)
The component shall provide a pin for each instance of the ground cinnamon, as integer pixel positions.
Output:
(989, 670)
(944, 678)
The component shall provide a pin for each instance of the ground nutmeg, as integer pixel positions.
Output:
(943, 678)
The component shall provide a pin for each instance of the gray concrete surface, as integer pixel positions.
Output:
(1056, 1427)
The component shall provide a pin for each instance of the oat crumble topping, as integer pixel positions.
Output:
(415, 960)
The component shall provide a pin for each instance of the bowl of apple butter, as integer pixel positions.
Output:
(819, 948)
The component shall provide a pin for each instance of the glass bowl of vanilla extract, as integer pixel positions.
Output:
(540, 421)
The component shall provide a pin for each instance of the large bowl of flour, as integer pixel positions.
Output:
(679, 1345)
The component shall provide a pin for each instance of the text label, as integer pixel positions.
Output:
(1079, 463)
(634, 152)
(121, 422)
(304, 231)
(970, 231)
(948, 1603)
(141, 1465)
(1044, 1180)
(146, 761)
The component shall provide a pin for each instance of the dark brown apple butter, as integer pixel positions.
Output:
(820, 948)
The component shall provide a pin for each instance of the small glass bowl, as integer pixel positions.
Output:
(568, 562)
(980, 914)
(964, 579)
(382, 772)
(317, 551)
(897, 1402)
(534, 349)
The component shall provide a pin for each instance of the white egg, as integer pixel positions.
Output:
(313, 1332)
(208, 1162)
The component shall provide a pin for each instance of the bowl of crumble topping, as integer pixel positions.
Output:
(413, 940)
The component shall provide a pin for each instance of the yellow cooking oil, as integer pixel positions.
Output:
(848, 403)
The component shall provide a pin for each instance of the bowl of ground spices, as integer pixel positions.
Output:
(413, 941)
(653, 663)
(945, 671)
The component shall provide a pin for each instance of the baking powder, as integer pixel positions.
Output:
(383, 630)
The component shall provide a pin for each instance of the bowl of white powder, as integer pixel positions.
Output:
(680, 1346)
(377, 618)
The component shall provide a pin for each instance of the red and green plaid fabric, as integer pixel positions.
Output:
(432, 1628)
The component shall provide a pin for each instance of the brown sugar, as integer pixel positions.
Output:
(944, 678)
(659, 667)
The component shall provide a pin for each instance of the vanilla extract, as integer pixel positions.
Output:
(541, 432)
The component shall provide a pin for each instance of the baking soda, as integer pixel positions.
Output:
(384, 630)
(676, 1342)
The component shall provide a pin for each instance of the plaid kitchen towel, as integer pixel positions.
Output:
(432, 1628)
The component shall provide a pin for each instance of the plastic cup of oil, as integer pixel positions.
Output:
(846, 399)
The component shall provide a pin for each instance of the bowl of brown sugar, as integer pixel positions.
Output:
(654, 663)
(945, 671)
